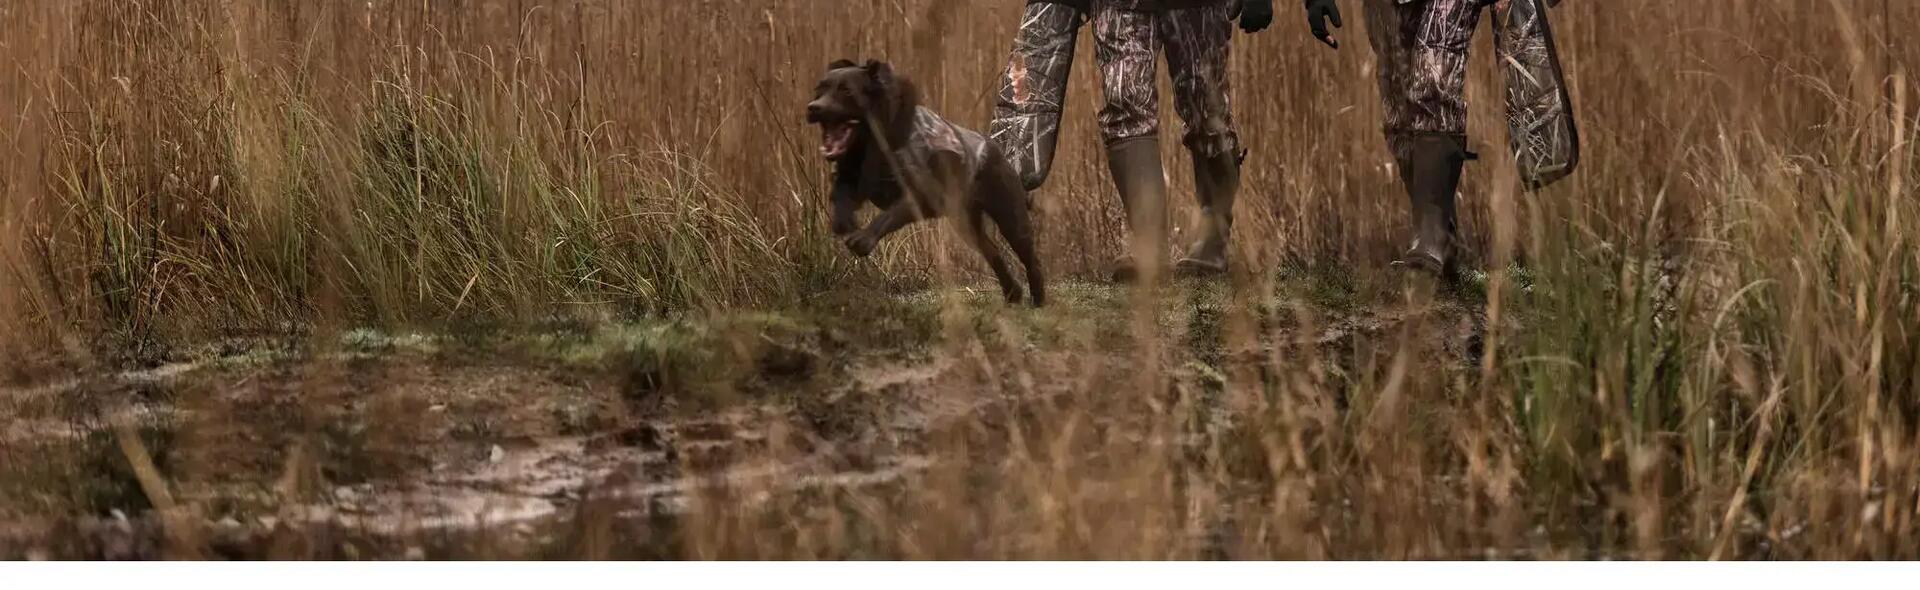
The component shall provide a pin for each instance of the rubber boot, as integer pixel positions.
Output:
(1141, 180)
(1431, 171)
(1216, 181)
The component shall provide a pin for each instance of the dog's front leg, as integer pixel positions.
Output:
(846, 200)
(903, 213)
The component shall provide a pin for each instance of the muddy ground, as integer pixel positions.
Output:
(593, 440)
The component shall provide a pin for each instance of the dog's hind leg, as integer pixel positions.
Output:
(974, 227)
(1005, 200)
(1017, 228)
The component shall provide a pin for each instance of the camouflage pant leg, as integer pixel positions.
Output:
(1422, 49)
(1126, 43)
(1197, 44)
(1033, 89)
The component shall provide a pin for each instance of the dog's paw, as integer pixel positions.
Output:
(861, 244)
(1014, 294)
(841, 229)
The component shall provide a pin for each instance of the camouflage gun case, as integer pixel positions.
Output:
(1542, 134)
(1033, 87)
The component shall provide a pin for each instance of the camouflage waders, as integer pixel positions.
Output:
(1194, 38)
(1130, 36)
(1422, 50)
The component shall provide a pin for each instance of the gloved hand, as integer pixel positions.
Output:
(1255, 15)
(1319, 12)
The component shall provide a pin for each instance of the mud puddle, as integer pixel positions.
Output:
(390, 454)
(517, 491)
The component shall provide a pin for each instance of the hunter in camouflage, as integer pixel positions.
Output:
(1422, 49)
(1129, 37)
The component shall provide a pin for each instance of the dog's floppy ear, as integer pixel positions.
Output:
(881, 73)
(891, 87)
(840, 64)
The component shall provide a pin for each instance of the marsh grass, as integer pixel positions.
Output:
(1701, 345)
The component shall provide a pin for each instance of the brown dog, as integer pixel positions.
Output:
(914, 165)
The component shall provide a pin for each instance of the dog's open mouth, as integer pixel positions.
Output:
(836, 138)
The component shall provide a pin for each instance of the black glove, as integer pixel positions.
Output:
(1255, 15)
(1319, 12)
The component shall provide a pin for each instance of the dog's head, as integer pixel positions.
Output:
(852, 101)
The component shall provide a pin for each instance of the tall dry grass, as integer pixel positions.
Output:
(1716, 356)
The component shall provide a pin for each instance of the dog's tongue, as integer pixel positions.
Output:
(835, 138)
